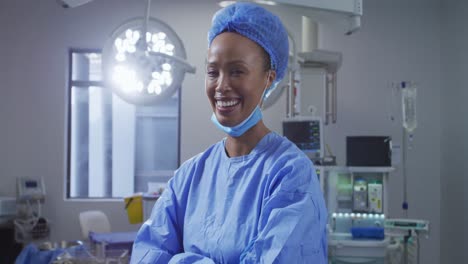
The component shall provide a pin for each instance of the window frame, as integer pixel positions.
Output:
(70, 83)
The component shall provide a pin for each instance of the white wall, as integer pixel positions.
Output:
(399, 40)
(454, 213)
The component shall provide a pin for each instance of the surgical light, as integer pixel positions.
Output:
(144, 70)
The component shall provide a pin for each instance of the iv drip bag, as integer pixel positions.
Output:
(408, 97)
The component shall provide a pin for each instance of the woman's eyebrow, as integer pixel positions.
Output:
(230, 63)
(237, 62)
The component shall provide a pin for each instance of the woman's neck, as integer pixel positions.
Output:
(243, 145)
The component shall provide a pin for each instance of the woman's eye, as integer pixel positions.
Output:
(237, 72)
(211, 73)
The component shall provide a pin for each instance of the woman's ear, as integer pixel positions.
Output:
(271, 77)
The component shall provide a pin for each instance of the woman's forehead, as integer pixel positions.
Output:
(233, 47)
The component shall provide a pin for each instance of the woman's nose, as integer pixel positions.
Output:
(223, 83)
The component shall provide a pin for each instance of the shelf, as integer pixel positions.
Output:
(333, 168)
(342, 198)
(371, 169)
(343, 169)
(329, 60)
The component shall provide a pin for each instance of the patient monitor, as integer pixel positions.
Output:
(30, 189)
(306, 133)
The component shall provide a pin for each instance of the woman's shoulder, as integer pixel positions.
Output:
(212, 151)
(191, 164)
(288, 166)
(192, 169)
(283, 150)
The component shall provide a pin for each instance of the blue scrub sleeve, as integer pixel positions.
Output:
(32, 255)
(292, 222)
(160, 237)
(190, 258)
(159, 240)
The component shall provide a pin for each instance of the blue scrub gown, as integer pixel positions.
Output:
(265, 207)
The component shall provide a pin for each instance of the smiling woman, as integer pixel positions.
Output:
(236, 81)
(253, 197)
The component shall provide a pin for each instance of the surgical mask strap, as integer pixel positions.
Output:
(264, 92)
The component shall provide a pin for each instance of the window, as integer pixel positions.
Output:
(114, 148)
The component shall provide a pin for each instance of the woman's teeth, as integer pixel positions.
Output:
(226, 103)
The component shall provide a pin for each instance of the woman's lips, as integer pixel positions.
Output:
(226, 105)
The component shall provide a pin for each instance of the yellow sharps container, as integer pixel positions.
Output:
(134, 207)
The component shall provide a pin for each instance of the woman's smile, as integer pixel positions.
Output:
(226, 105)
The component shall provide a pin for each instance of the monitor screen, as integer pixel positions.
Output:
(305, 134)
(31, 184)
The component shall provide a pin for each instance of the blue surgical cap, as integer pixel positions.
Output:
(260, 26)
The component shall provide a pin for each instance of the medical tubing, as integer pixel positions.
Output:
(406, 239)
(417, 248)
(404, 172)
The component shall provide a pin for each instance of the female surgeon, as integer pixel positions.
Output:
(254, 196)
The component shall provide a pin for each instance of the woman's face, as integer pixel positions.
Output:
(235, 77)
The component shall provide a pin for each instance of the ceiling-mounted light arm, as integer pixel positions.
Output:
(181, 62)
(349, 11)
(354, 24)
(348, 7)
(147, 16)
